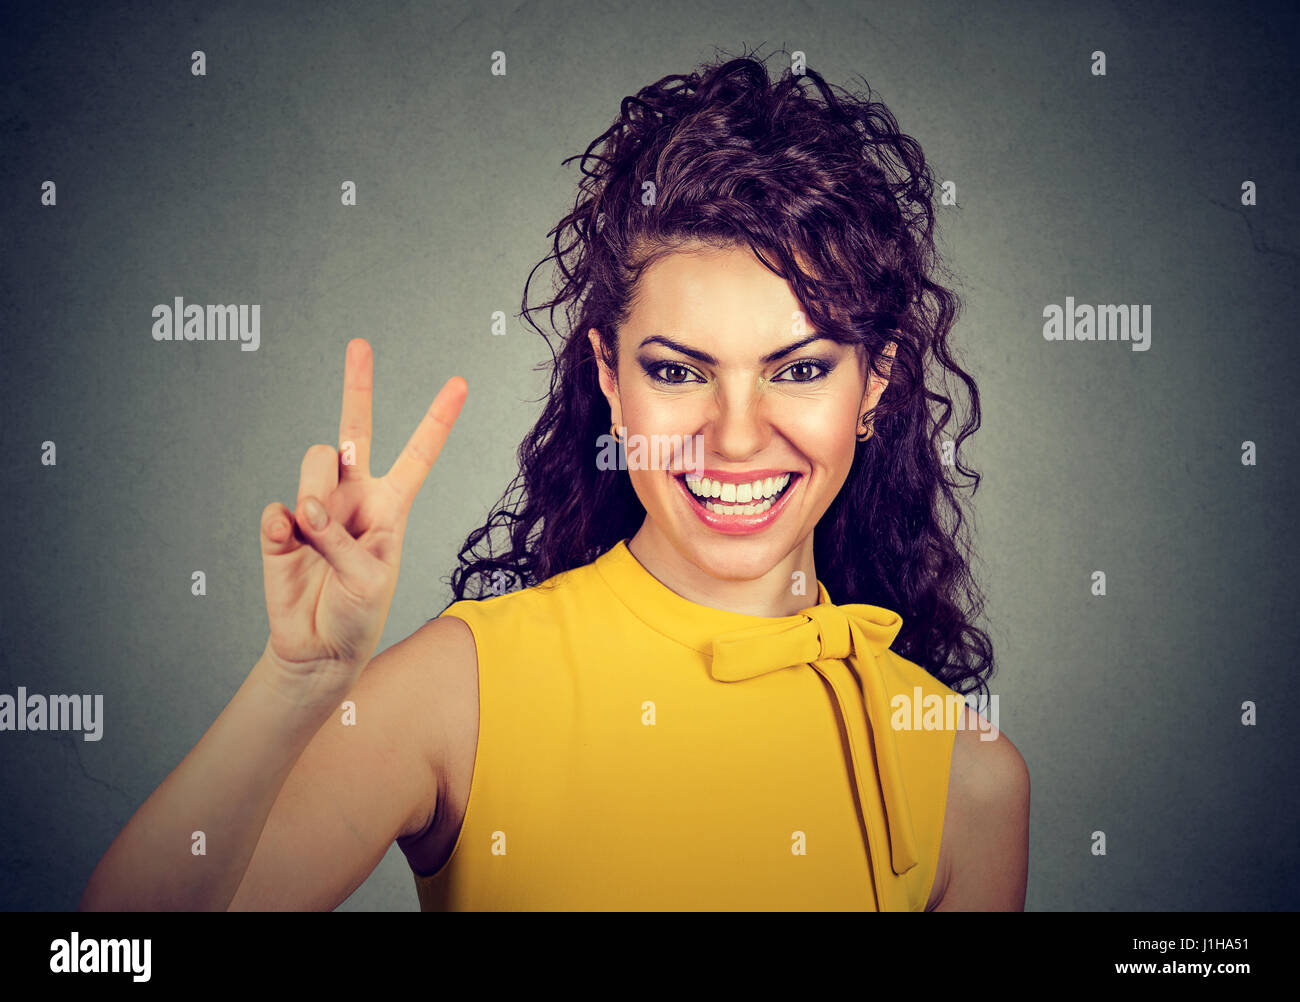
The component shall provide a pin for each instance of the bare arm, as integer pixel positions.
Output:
(330, 569)
(985, 853)
(300, 837)
(358, 787)
(224, 789)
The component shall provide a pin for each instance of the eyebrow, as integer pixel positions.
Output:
(707, 359)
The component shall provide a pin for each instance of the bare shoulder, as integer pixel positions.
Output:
(426, 676)
(439, 652)
(984, 852)
(440, 664)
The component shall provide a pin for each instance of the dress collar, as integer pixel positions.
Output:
(666, 612)
(846, 645)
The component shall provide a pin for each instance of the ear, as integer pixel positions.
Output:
(607, 379)
(875, 384)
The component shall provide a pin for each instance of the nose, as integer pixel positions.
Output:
(739, 426)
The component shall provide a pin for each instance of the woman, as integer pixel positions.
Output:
(696, 678)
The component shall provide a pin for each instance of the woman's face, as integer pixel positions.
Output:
(717, 347)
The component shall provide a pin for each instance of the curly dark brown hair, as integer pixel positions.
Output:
(737, 160)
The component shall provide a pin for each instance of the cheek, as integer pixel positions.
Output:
(824, 433)
(822, 429)
(650, 414)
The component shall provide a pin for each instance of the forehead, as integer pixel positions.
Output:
(713, 294)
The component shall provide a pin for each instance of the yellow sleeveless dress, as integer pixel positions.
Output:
(638, 751)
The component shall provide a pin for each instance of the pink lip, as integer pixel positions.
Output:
(738, 525)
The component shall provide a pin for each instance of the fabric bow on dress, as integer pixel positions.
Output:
(838, 641)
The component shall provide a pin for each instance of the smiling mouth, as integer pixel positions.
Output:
(737, 499)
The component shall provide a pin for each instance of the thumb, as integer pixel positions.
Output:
(358, 571)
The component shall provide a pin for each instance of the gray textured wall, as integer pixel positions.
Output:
(1116, 189)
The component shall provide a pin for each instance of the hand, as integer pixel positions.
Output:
(329, 583)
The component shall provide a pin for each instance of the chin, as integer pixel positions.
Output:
(736, 559)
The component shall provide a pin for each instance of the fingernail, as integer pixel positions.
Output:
(316, 516)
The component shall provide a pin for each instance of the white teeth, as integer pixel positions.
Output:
(704, 487)
(739, 509)
(738, 499)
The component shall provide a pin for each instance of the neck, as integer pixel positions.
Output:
(773, 592)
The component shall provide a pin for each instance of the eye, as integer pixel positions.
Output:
(813, 368)
(676, 373)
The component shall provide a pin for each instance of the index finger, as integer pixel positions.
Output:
(421, 451)
(354, 424)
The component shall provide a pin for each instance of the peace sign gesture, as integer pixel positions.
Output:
(330, 567)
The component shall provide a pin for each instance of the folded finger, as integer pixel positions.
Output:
(358, 571)
(277, 533)
(320, 472)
